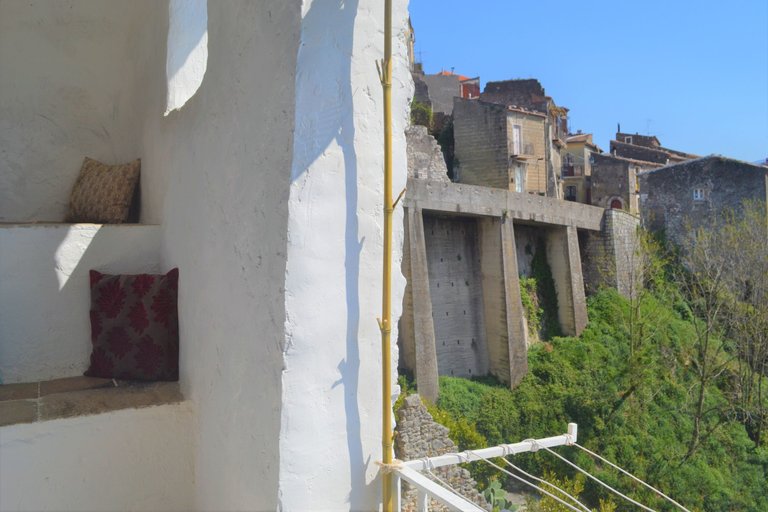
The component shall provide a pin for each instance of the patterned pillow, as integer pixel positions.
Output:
(103, 193)
(134, 326)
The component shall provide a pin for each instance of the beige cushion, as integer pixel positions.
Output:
(103, 193)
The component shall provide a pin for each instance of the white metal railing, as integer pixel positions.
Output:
(412, 471)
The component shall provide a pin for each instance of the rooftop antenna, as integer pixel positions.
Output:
(648, 126)
(618, 127)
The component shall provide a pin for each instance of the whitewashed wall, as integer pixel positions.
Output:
(71, 78)
(268, 186)
(45, 329)
(223, 166)
(331, 418)
(140, 460)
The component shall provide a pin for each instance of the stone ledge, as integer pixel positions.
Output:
(79, 396)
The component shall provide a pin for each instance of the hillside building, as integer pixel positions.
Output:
(696, 193)
(576, 170)
(499, 146)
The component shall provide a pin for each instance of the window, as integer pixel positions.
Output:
(519, 178)
(570, 193)
(516, 139)
(698, 194)
(628, 140)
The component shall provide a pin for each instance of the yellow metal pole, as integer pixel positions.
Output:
(385, 323)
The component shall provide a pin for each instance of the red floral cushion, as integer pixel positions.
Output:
(134, 326)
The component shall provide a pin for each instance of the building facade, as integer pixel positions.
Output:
(528, 94)
(698, 192)
(576, 170)
(500, 146)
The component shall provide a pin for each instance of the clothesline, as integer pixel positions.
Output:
(427, 464)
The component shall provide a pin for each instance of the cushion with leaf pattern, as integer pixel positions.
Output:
(134, 326)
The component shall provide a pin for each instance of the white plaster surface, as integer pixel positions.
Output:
(224, 163)
(72, 76)
(187, 50)
(135, 459)
(45, 294)
(331, 416)
(268, 185)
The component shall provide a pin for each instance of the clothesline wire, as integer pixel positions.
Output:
(428, 465)
(633, 477)
(541, 480)
(533, 485)
(588, 474)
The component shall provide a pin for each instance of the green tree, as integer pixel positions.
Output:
(703, 276)
(745, 240)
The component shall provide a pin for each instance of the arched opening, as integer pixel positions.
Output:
(616, 204)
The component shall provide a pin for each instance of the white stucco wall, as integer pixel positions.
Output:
(187, 51)
(223, 163)
(140, 460)
(331, 417)
(71, 80)
(268, 185)
(45, 296)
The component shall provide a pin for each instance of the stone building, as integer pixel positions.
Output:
(697, 192)
(576, 170)
(439, 89)
(646, 148)
(614, 182)
(528, 94)
(499, 146)
(262, 185)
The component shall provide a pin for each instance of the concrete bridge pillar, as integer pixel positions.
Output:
(502, 305)
(517, 339)
(420, 324)
(565, 262)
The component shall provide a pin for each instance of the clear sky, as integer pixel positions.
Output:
(693, 73)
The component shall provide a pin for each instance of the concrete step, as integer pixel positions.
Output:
(79, 396)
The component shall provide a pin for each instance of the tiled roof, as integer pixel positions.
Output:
(461, 78)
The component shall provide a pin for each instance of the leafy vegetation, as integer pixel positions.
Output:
(648, 432)
(421, 114)
(671, 383)
(545, 293)
(533, 310)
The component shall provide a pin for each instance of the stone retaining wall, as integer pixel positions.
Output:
(417, 436)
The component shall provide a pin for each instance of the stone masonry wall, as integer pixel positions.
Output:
(723, 183)
(425, 159)
(610, 180)
(417, 436)
(622, 237)
(480, 139)
(610, 258)
(526, 93)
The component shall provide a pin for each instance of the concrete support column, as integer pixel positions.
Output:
(425, 369)
(502, 305)
(517, 341)
(494, 296)
(565, 263)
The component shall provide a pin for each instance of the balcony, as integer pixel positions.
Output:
(571, 170)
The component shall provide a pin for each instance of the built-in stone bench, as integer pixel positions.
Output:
(79, 396)
(45, 290)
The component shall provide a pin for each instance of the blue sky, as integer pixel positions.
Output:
(693, 73)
